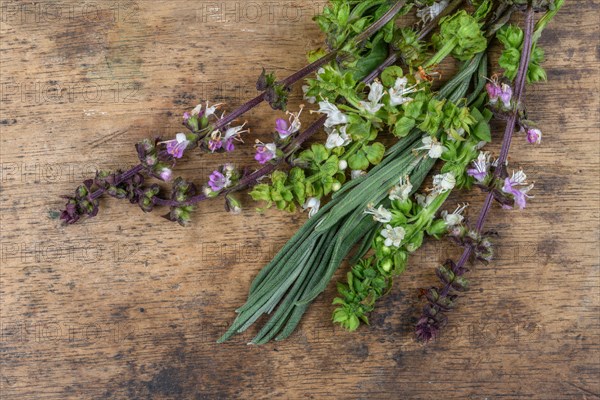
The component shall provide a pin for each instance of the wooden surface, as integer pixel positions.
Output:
(128, 306)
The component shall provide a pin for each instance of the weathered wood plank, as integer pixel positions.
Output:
(129, 306)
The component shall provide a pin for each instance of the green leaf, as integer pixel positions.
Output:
(278, 177)
(300, 192)
(374, 153)
(482, 132)
(330, 167)
(413, 109)
(261, 192)
(327, 182)
(371, 61)
(390, 74)
(464, 31)
(358, 161)
(296, 175)
(343, 14)
(320, 153)
(403, 126)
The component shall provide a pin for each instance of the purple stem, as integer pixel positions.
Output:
(510, 126)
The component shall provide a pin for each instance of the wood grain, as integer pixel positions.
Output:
(128, 306)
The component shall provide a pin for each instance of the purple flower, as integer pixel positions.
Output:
(493, 91)
(265, 152)
(217, 181)
(281, 126)
(534, 136)
(232, 134)
(497, 91)
(518, 187)
(506, 95)
(285, 128)
(177, 146)
(186, 116)
(480, 167)
(215, 144)
(229, 145)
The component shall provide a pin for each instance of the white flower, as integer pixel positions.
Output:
(480, 167)
(343, 165)
(380, 214)
(181, 138)
(393, 236)
(519, 177)
(310, 99)
(334, 115)
(356, 173)
(271, 147)
(312, 204)
(208, 111)
(229, 169)
(456, 217)
(295, 123)
(234, 132)
(429, 13)
(425, 201)
(338, 138)
(375, 95)
(402, 190)
(435, 148)
(444, 182)
(399, 91)
(197, 109)
(320, 72)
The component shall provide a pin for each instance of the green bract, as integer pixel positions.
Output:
(462, 32)
(511, 37)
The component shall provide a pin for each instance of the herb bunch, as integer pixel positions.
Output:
(372, 84)
(303, 268)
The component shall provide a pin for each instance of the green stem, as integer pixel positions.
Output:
(541, 24)
(442, 53)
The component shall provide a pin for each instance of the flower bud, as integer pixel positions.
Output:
(343, 165)
(387, 264)
(445, 274)
(460, 284)
(233, 205)
(534, 136)
(438, 228)
(151, 159)
(336, 186)
(166, 174)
